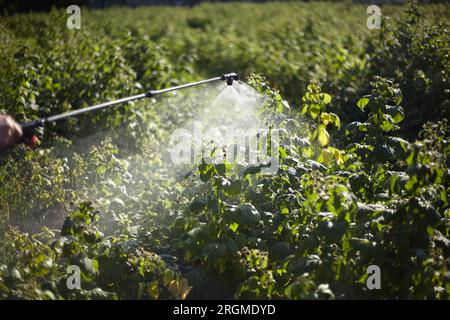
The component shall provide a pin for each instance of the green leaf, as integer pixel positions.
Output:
(304, 109)
(315, 165)
(326, 98)
(231, 245)
(198, 204)
(247, 214)
(323, 136)
(16, 274)
(325, 117)
(387, 123)
(222, 168)
(88, 265)
(197, 234)
(280, 250)
(234, 226)
(233, 188)
(251, 169)
(283, 208)
(314, 110)
(335, 119)
(395, 112)
(214, 251)
(362, 103)
(206, 170)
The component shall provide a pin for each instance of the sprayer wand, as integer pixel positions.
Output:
(28, 127)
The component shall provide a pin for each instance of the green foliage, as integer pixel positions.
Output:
(315, 103)
(415, 53)
(351, 189)
(112, 267)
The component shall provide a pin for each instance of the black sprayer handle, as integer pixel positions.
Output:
(28, 129)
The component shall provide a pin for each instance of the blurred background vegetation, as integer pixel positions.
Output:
(45, 5)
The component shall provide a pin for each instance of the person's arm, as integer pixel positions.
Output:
(10, 131)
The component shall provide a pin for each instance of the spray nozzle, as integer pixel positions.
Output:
(230, 77)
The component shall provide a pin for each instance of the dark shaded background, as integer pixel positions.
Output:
(12, 6)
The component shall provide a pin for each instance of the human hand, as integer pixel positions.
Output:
(10, 131)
